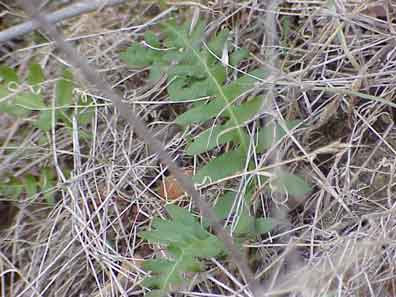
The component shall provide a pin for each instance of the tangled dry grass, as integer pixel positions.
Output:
(339, 240)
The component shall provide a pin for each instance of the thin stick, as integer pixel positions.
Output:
(57, 16)
(124, 110)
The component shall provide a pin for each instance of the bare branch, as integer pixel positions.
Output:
(57, 16)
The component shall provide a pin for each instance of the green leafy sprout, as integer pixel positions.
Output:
(24, 98)
(196, 75)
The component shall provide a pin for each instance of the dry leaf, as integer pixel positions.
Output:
(377, 11)
(170, 189)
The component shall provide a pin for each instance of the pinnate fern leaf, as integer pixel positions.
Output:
(186, 242)
(194, 70)
(195, 73)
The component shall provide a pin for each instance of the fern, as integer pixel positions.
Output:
(194, 72)
(186, 242)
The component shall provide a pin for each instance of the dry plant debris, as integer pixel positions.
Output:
(170, 188)
(340, 241)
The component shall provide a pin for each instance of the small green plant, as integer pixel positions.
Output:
(22, 98)
(197, 72)
(186, 242)
(194, 72)
(31, 186)
(25, 99)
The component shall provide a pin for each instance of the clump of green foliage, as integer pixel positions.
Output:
(194, 72)
(186, 242)
(31, 185)
(24, 99)
(197, 73)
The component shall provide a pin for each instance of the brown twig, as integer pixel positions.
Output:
(57, 16)
(93, 78)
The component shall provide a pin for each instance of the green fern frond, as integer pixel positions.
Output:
(186, 242)
(194, 71)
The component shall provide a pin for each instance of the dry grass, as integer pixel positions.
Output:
(339, 240)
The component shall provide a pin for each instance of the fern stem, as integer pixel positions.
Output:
(219, 88)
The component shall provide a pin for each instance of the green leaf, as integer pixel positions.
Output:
(234, 89)
(151, 39)
(180, 89)
(222, 166)
(245, 224)
(9, 106)
(217, 43)
(209, 247)
(157, 265)
(47, 182)
(238, 56)
(85, 116)
(164, 232)
(237, 87)
(30, 184)
(165, 273)
(139, 56)
(181, 214)
(183, 228)
(156, 71)
(8, 74)
(211, 138)
(11, 189)
(247, 110)
(190, 72)
(197, 35)
(177, 35)
(201, 113)
(187, 261)
(44, 121)
(35, 75)
(291, 184)
(267, 136)
(263, 225)
(224, 205)
(200, 60)
(185, 241)
(271, 134)
(173, 56)
(250, 226)
(64, 89)
(20, 104)
(155, 293)
(30, 101)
